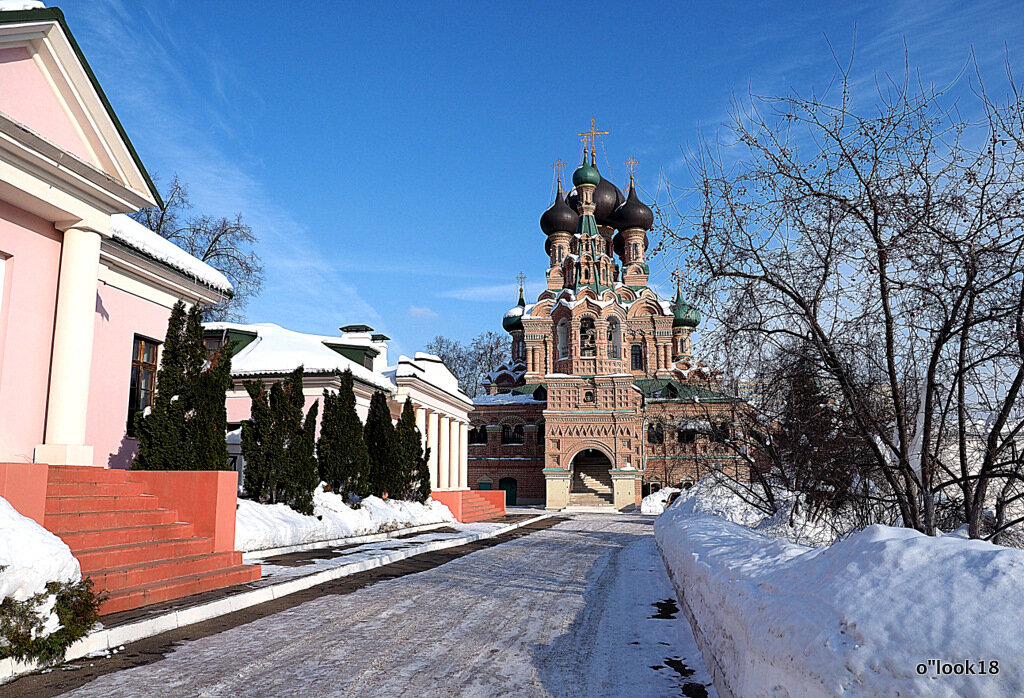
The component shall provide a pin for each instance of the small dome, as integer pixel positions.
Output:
(607, 198)
(632, 213)
(559, 218)
(586, 174)
(513, 319)
(684, 314)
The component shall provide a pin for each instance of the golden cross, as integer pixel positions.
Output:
(631, 163)
(520, 278)
(558, 165)
(593, 133)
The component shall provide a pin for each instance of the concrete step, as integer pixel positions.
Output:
(74, 521)
(76, 473)
(141, 573)
(73, 489)
(69, 504)
(165, 590)
(133, 553)
(102, 537)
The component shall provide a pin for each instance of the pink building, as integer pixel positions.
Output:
(85, 295)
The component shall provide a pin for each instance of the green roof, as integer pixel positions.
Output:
(54, 14)
(532, 389)
(668, 389)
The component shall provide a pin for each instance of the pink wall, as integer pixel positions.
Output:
(119, 317)
(32, 247)
(28, 98)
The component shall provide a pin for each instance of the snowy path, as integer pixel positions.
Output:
(564, 612)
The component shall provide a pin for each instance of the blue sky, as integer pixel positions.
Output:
(394, 158)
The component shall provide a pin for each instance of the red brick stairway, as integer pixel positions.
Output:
(135, 550)
(476, 508)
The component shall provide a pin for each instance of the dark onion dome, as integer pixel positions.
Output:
(607, 198)
(632, 213)
(559, 218)
(684, 314)
(513, 320)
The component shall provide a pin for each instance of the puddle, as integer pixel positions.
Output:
(689, 689)
(667, 609)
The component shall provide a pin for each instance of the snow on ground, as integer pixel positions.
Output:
(30, 558)
(862, 617)
(654, 503)
(263, 526)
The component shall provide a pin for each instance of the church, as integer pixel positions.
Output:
(602, 399)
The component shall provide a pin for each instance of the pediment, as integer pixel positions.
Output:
(48, 89)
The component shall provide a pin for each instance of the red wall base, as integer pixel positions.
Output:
(24, 486)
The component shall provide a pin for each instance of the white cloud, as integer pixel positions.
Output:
(427, 313)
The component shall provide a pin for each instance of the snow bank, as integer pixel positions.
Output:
(862, 617)
(654, 503)
(263, 526)
(30, 558)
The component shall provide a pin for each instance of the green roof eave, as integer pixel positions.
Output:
(54, 14)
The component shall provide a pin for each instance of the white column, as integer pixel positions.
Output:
(444, 433)
(453, 454)
(434, 443)
(464, 455)
(71, 361)
(421, 424)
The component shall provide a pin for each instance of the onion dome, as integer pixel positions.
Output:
(607, 198)
(586, 173)
(684, 314)
(559, 218)
(513, 319)
(632, 213)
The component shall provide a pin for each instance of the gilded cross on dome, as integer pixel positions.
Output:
(520, 278)
(558, 165)
(592, 134)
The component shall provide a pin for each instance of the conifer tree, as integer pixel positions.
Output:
(258, 443)
(381, 446)
(185, 427)
(303, 479)
(341, 450)
(410, 448)
(421, 477)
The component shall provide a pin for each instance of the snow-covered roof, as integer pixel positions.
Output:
(429, 369)
(277, 350)
(141, 239)
(506, 399)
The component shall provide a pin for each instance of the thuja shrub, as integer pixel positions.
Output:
(22, 623)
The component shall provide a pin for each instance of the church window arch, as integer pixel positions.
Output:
(588, 337)
(614, 338)
(636, 250)
(478, 435)
(513, 434)
(588, 396)
(563, 338)
(655, 434)
(636, 358)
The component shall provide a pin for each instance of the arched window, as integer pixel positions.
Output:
(540, 432)
(614, 339)
(588, 396)
(687, 436)
(563, 339)
(560, 251)
(588, 337)
(478, 435)
(655, 434)
(636, 250)
(636, 358)
(512, 435)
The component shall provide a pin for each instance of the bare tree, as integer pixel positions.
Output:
(889, 238)
(473, 361)
(226, 244)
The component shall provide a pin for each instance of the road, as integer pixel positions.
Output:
(583, 608)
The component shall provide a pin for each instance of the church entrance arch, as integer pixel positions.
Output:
(591, 473)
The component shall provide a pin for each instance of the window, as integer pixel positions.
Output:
(636, 251)
(720, 432)
(540, 432)
(588, 396)
(687, 436)
(478, 434)
(563, 339)
(655, 434)
(513, 435)
(614, 339)
(636, 358)
(588, 337)
(143, 381)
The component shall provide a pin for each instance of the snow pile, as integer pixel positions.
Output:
(263, 526)
(655, 503)
(30, 558)
(141, 239)
(862, 617)
(710, 497)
